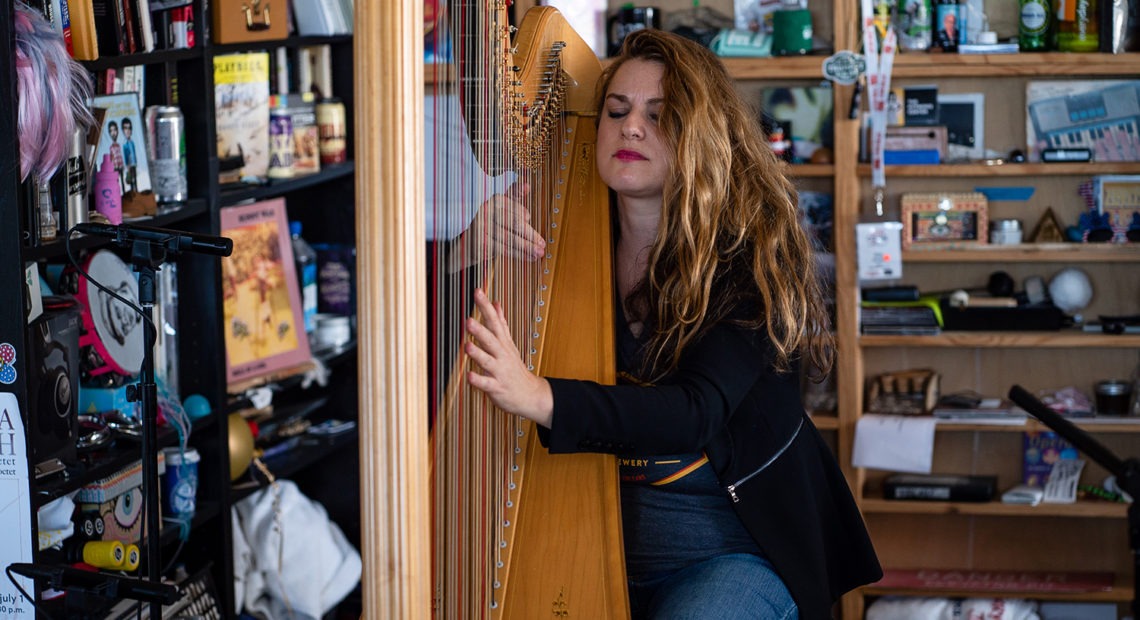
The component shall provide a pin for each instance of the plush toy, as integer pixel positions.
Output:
(53, 90)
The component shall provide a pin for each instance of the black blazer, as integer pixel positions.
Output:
(726, 400)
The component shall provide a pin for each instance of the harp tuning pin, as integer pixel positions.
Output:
(516, 68)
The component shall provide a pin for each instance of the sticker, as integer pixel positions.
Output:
(844, 67)
(7, 364)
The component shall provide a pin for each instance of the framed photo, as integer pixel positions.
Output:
(944, 221)
(1098, 115)
(806, 112)
(264, 329)
(964, 116)
(1118, 205)
(122, 136)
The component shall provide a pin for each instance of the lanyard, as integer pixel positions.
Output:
(879, 64)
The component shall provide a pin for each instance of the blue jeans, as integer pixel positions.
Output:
(738, 586)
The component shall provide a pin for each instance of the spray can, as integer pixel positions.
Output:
(166, 152)
(76, 210)
(108, 192)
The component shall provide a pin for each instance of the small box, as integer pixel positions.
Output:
(918, 139)
(944, 221)
(117, 501)
(100, 400)
(920, 105)
(238, 21)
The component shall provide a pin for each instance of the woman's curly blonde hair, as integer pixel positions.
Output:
(730, 229)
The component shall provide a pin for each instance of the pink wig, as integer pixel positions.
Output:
(53, 91)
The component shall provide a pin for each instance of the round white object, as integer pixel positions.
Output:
(1071, 289)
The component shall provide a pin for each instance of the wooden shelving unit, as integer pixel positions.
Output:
(917, 534)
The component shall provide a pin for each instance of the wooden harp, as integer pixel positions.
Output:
(517, 532)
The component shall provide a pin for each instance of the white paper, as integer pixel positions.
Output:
(15, 508)
(1061, 488)
(894, 443)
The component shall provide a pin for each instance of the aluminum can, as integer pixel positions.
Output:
(332, 127)
(280, 142)
(166, 152)
(77, 180)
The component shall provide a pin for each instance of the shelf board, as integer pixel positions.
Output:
(145, 58)
(1049, 64)
(1031, 253)
(310, 451)
(1084, 509)
(1032, 425)
(781, 68)
(1006, 170)
(204, 510)
(56, 249)
(280, 187)
(245, 46)
(105, 463)
(1121, 592)
(809, 170)
(952, 339)
(825, 420)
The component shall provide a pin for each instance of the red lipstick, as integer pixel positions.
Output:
(626, 155)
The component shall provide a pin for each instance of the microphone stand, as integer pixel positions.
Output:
(1127, 471)
(147, 257)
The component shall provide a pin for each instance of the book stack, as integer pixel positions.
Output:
(900, 319)
(943, 488)
(984, 411)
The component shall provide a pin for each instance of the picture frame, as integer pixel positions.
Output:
(264, 328)
(964, 116)
(1117, 199)
(1097, 117)
(808, 115)
(122, 135)
(944, 221)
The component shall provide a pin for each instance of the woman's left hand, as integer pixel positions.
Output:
(503, 376)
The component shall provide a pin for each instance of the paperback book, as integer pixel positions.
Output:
(241, 102)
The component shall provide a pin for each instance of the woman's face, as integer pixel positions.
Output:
(632, 158)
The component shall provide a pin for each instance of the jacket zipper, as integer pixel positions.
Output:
(732, 487)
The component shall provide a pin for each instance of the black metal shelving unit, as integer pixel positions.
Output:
(322, 201)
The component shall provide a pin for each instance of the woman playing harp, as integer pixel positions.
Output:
(732, 505)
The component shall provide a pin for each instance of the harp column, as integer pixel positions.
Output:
(388, 55)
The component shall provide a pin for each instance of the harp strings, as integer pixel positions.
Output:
(488, 127)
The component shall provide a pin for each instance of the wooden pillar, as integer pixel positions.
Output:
(388, 57)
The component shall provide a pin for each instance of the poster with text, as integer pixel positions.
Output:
(15, 509)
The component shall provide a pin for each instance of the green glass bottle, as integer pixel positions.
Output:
(1077, 31)
(1034, 26)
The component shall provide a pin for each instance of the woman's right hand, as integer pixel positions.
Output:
(501, 373)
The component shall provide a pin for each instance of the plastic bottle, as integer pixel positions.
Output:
(306, 259)
(947, 21)
(1034, 25)
(1077, 29)
(108, 193)
(914, 20)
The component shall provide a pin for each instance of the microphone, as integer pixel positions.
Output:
(103, 584)
(172, 240)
